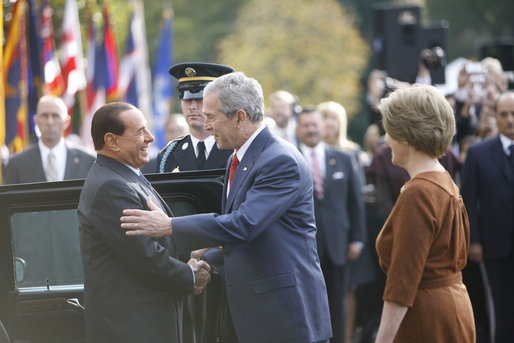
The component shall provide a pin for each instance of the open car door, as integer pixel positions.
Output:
(42, 282)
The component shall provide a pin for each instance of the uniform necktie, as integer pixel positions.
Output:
(51, 168)
(316, 176)
(233, 167)
(200, 159)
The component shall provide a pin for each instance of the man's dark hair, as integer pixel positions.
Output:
(305, 110)
(106, 119)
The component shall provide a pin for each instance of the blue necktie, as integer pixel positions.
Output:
(145, 180)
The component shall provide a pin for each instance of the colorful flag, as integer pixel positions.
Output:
(96, 83)
(15, 80)
(35, 69)
(134, 79)
(162, 82)
(110, 56)
(2, 93)
(71, 55)
(54, 82)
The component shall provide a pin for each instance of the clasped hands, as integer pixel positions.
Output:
(202, 274)
(156, 223)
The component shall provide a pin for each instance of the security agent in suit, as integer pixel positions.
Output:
(133, 286)
(198, 149)
(51, 159)
(274, 284)
(339, 211)
(488, 192)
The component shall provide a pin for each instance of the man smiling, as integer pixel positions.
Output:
(133, 286)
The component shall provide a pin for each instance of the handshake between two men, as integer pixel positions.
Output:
(202, 272)
(156, 223)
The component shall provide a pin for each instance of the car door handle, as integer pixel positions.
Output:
(75, 303)
(51, 304)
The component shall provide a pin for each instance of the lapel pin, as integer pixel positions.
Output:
(185, 145)
(76, 160)
(332, 162)
(245, 168)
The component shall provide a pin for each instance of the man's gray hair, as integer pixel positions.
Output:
(236, 92)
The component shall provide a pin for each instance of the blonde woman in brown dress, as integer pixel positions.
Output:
(424, 243)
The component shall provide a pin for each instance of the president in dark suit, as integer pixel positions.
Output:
(197, 150)
(52, 158)
(133, 286)
(338, 208)
(488, 192)
(274, 284)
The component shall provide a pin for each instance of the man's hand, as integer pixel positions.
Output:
(154, 223)
(475, 252)
(202, 274)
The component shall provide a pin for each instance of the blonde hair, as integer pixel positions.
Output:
(420, 116)
(331, 107)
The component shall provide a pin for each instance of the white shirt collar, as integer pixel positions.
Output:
(506, 143)
(319, 149)
(242, 150)
(60, 153)
(209, 144)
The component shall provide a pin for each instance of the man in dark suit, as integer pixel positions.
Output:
(196, 150)
(133, 286)
(274, 284)
(338, 208)
(51, 159)
(488, 192)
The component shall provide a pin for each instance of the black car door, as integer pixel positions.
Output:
(41, 277)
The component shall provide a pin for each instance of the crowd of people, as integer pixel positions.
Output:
(315, 230)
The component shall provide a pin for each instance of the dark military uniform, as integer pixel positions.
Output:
(179, 155)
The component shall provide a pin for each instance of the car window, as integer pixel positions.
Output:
(46, 245)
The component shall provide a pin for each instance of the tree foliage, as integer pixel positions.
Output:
(313, 51)
(472, 22)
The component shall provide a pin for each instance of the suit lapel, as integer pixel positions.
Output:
(246, 165)
(36, 156)
(72, 161)
(330, 168)
(132, 177)
(499, 157)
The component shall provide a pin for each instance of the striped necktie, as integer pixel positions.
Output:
(51, 168)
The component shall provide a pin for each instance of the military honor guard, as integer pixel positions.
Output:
(196, 150)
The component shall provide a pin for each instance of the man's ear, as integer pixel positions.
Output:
(111, 141)
(240, 116)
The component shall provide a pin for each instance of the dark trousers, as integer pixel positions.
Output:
(336, 291)
(226, 330)
(501, 278)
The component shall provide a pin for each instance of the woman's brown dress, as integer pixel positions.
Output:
(422, 248)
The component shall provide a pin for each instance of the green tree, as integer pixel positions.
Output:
(313, 51)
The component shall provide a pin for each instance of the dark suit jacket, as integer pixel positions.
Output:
(488, 192)
(275, 287)
(27, 166)
(340, 216)
(133, 285)
(184, 157)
